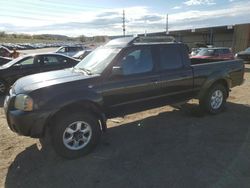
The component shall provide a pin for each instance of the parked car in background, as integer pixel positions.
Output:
(4, 60)
(31, 64)
(195, 51)
(127, 75)
(70, 50)
(5, 52)
(211, 54)
(244, 55)
(82, 54)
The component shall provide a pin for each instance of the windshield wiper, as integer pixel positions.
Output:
(84, 70)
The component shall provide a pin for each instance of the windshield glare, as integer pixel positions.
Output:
(98, 60)
(206, 52)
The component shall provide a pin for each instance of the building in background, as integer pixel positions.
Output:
(236, 37)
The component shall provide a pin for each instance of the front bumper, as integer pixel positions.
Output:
(25, 123)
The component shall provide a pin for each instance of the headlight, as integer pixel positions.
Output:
(236, 55)
(23, 102)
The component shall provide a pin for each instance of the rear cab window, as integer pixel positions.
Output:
(169, 57)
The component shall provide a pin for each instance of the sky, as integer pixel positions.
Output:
(93, 17)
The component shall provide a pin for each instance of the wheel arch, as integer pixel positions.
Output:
(84, 105)
(225, 81)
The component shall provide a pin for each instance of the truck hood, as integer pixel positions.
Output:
(37, 81)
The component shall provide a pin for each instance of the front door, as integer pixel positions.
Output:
(136, 85)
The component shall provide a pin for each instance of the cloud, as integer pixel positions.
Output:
(199, 2)
(150, 18)
(108, 14)
(138, 19)
(177, 7)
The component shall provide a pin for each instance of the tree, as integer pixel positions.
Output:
(2, 34)
(82, 38)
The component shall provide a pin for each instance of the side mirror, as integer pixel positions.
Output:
(117, 71)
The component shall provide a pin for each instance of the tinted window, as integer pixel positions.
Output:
(51, 60)
(75, 49)
(170, 58)
(226, 51)
(63, 59)
(137, 61)
(217, 52)
(72, 49)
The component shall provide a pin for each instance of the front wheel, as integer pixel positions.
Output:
(75, 134)
(215, 99)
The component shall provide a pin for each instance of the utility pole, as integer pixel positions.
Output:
(211, 38)
(123, 23)
(167, 25)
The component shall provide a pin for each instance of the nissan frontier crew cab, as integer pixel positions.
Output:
(124, 76)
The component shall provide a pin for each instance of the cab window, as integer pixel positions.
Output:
(170, 58)
(137, 61)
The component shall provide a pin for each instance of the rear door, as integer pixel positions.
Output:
(176, 76)
(136, 85)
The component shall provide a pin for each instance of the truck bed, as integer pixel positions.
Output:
(233, 70)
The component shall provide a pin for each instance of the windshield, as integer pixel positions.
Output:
(9, 64)
(98, 60)
(205, 52)
(248, 49)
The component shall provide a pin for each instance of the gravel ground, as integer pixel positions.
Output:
(163, 147)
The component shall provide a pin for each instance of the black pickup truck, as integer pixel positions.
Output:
(126, 75)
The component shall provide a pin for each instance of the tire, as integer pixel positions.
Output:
(75, 134)
(215, 99)
(3, 87)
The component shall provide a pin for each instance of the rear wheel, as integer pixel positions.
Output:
(215, 99)
(75, 134)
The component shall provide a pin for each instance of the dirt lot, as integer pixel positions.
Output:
(163, 147)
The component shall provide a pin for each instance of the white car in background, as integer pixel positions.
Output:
(70, 50)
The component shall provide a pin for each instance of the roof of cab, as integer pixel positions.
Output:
(128, 41)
